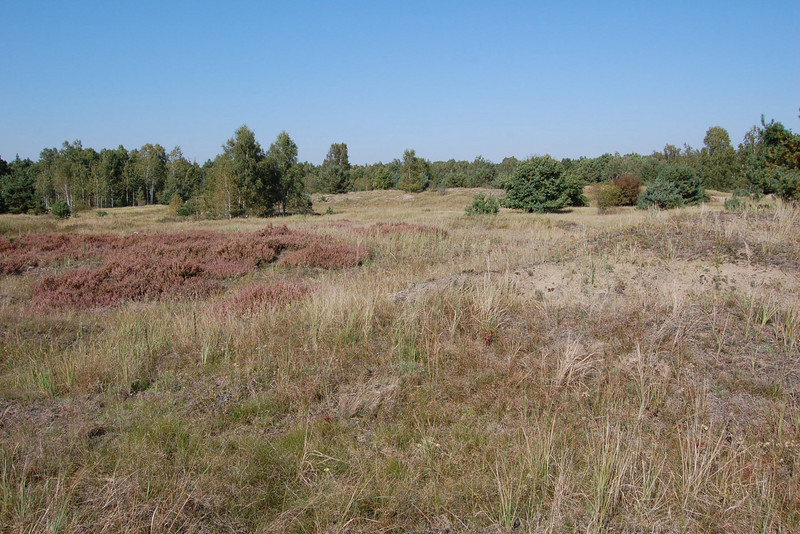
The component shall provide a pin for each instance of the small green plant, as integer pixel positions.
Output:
(329, 211)
(101, 213)
(735, 203)
(61, 209)
(483, 205)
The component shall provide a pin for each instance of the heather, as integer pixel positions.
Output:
(190, 264)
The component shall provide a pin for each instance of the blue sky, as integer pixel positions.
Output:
(448, 79)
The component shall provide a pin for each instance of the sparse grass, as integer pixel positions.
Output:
(632, 372)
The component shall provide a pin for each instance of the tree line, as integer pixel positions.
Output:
(245, 179)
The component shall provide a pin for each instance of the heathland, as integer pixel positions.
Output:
(389, 364)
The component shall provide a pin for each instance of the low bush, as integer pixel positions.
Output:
(186, 209)
(662, 194)
(740, 200)
(607, 195)
(61, 209)
(483, 205)
(687, 183)
(629, 186)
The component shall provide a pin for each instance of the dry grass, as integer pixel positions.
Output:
(633, 372)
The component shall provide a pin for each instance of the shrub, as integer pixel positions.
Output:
(741, 199)
(101, 213)
(686, 181)
(735, 203)
(60, 209)
(607, 196)
(629, 186)
(662, 194)
(483, 205)
(186, 209)
(537, 185)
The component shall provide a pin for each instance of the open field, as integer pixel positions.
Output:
(413, 370)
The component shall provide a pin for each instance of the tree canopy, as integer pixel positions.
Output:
(247, 180)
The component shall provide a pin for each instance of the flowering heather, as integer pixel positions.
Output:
(326, 256)
(38, 250)
(112, 285)
(142, 267)
(257, 297)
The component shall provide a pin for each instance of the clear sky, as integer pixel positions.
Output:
(448, 79)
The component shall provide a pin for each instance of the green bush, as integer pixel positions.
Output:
(60, 209)
(607, 196)
(735, 203)
(686, 181)
(662, 194)
(185, 209)
(483, 205)
(101, 213)
(537, 185)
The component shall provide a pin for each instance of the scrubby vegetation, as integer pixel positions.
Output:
(60, 209)
(662, 194)
(483, 205)
(556, 372)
